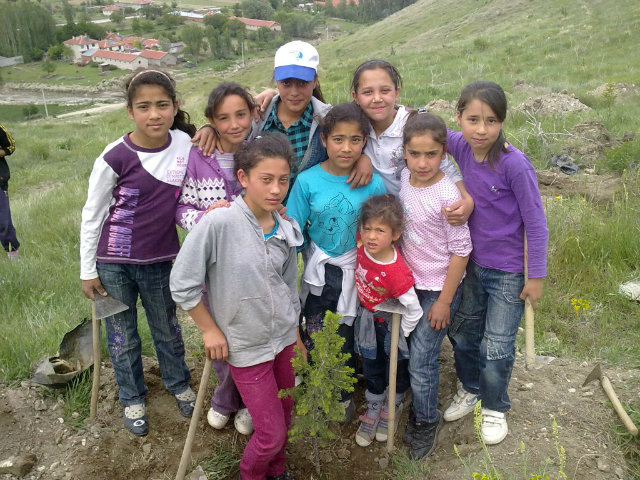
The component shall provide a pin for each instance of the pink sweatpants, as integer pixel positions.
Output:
(259, 386)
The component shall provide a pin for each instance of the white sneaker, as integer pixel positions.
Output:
(494, 426)
(463, 404)
(243, 422)
(216, 419)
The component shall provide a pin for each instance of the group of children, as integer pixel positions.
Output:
(376, 208)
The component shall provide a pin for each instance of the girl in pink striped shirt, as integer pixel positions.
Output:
(437, 254)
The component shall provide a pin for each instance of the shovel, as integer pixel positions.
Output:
(193, 426)
(595, 374)
(392, 306)
(102, 307)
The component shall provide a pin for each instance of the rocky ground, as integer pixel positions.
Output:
(32, 423)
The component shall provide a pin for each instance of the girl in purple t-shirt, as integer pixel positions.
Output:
(128, 240)
(503, 184)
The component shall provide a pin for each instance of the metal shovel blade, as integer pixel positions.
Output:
(392, 305)
(107, 306)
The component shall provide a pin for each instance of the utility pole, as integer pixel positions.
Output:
(46, 111)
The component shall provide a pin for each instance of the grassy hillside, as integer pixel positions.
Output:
(438, 47)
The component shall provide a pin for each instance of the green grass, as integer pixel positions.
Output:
(33, 73)
(13, 113)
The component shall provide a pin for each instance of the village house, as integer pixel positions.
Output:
(157, 58)
(253, 24)
(110, 9)
(124, 61)
(80, 44)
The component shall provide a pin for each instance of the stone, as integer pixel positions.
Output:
(619, 472)
(40, 406)
(384, 462)
(18, 465)
(197, 474)
(54, 465)
(146, 448)
(344, 454)
(602, 466)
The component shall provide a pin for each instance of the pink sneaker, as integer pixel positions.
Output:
(13, 255)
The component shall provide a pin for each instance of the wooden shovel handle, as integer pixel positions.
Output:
(193, 426)
(393, 371)
(608, 388)
(95, 388)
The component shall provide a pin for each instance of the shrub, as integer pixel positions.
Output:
(31, 109)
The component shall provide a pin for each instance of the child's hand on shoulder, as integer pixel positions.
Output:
(215, 344)
(439, 315)
(282, 210)
(218, 204)
(533, 290)
(207, 140)
(459, 212)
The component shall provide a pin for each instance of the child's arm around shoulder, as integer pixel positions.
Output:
(188, 214)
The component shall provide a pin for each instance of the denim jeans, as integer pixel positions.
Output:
(376, 370)
(483, 333)
(314, 311)
(425, 345)
(125, 282)
(259, 386)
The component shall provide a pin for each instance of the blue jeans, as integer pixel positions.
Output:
(424, 349)
(376, 370)
(125, 282)
(314, 311)
(483, 333)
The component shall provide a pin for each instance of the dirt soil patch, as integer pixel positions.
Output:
(553, 104)
(33, 423)
(622, 91)
(600, 188)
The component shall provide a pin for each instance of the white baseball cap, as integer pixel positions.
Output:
(296, 60)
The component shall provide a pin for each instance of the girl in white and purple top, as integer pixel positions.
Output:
(128, 240)
(503, 184)
(437, 254)
(211, 182)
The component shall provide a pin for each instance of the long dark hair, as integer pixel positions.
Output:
(424, 123)
(223, 90)
(374, 65)
(181, 121)
(344, 112)
(266, 145)
(493, 95)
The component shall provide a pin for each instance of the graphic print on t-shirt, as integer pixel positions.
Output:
(334, 217)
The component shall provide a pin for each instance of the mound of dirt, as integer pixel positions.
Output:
(32, 422)
(620, 90)
(553, 104)
(521, 84)
(600, 188)
(442, 105)
(588, 143)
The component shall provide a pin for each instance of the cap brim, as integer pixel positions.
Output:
(294, 71)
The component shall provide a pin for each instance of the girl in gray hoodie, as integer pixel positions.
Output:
(246, 256)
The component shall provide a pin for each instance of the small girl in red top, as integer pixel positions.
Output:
(381, 274)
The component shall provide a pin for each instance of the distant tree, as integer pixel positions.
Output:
(329, 9)
(138, 44)
(136, 26)
(170, 21)
(164, 43)
(257, 9)
(36, 54)
(225, 11)
(117, 18)
(147, 26)
(67, 11)
(236, 28)
(26, 25)
(31, 109)
(237, 11)
(216, 21)
(84, 16)
(192, 36)
(298, 24)
(55, 51)
(49, 67)
(212, 34)
(275, 4)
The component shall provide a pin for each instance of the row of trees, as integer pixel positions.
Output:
(26, 29)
